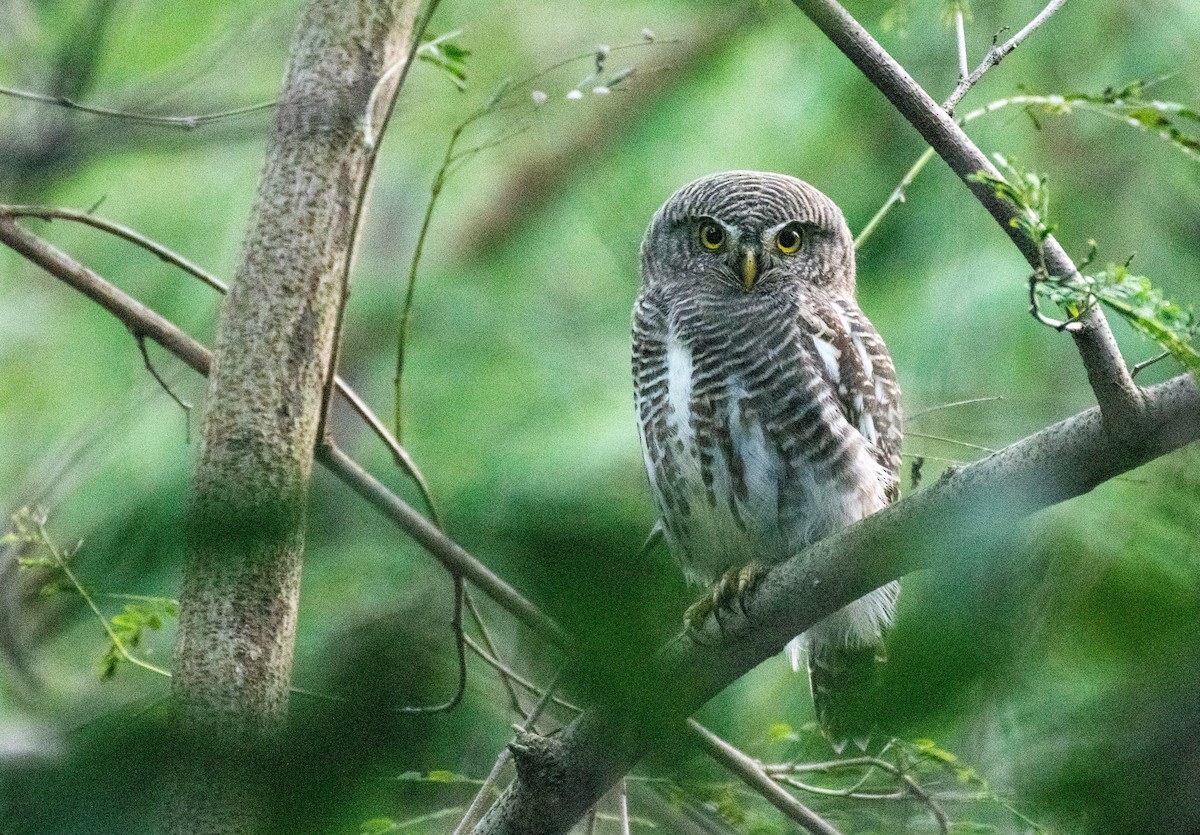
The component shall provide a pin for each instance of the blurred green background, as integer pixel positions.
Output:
(1064, 668)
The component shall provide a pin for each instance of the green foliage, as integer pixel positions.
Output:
(1132, 297)
(1027, 190)
(127, 628)
(1168, 120)
(38, 551)
(1137, 301)
(449, 57)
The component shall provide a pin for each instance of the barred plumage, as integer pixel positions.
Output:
(767, 402)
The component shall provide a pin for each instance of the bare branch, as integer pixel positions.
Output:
(137, 317)
(960, 35)
(913, 787)
(185, 122)
(752, 773)
(996, 54)
(512, 675)
(441, 547)
(121, 231)
(399, 453)
(182, 404)
(1118, 396)
(942, 406)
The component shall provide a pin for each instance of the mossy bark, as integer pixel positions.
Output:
(275, 345)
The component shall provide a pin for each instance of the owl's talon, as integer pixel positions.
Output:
(727, 596)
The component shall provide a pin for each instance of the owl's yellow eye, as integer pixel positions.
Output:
(712, 236)
(789, 240)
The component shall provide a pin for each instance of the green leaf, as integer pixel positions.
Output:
(1130, 105)
(377, 826)
(1138, 302)
(782, 732)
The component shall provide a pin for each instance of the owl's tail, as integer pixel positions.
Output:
(842, 679)
(845, 651)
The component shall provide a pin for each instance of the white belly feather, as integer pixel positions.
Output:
(712, 539)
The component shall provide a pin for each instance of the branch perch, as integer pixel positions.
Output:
(962, 514)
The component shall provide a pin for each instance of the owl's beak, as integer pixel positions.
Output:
(749, 268)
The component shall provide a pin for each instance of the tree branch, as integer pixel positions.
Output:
(996, 54)
(141, 319)
(752, 773)
(963, 513)
(1119, 397)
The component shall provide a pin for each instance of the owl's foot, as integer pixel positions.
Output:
(724, 595)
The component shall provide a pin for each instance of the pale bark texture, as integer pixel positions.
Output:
(275, 344)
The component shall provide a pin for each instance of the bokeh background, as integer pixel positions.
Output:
(1064, 667)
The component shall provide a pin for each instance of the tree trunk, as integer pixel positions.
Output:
(275, 345)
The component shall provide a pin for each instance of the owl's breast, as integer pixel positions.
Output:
(730, 436)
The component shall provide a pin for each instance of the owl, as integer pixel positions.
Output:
(767, 404)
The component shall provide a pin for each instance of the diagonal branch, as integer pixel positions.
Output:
(141, 319)
(1119, 397)
(752, 772)
(965, 512)
(996, 54)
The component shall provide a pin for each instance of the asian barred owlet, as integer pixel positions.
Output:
(767, 402)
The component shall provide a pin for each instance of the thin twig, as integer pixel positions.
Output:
(1121, 402)
(516, 678)
(475, 810)
(954, 405)
(914, 788)
(399, 453)
(183, 404)
(997, 54)
(964, 70)
(623, 806)
(490, 645)
(139, 317)
(60, 561)
(185, 122)
(438, 545)
(897, 196)
(452, 160)
(911, 434)
(1138, 367)
(111, 227)
(372, 153)
(752, 773)
(460, 641)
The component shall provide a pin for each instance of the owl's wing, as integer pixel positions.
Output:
(856, 364)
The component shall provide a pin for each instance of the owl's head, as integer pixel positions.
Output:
(748, 232)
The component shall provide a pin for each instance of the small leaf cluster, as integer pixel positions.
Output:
(130, 626)
(448, 57)
(1028, 190)
(1130, 103)
(1132, 297)
(28, 533)
(1138, 302)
